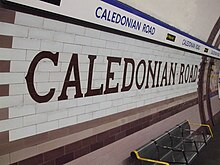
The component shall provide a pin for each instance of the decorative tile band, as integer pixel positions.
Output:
(77, 149)
(115, 119)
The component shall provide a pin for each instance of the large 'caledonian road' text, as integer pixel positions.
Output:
(153, 74)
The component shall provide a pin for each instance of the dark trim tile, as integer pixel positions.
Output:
(51, 155)
(5, 41)
(4, 137)
(36, 160)
(4, 114)
(64, 159)
(35, 140)
(4, 90)
(4, 65)
(7, 15)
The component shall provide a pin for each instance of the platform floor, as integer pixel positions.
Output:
(210, 155)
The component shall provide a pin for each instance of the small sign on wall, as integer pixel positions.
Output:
(54, 2)
(116, 15)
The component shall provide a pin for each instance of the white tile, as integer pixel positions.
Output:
(29, 120)
(12, 54)
(67, 122)
(47, 65)
(41, 77)
(84, 117)
(44, 87)
(54, 25)
(10, 101)
(22, 133)
(92, 108)
(26, 43)
(75, 29)
(116, 53)
(28, 100)
(77, 111)
(103, 52)
(99, 99)
(108, 36)
(110, 111)
(64, 37)
(57, 76)
(21, 111)
(111, 45)
(89, 50)
(37, 33)
(51, 46)
(84, 101)
(57, 115)
(98, 43)
(105, 105)
(31, 54)
(19, 66)
(82, 40)
(71, 48)
(28, 20)
(10, 124)
(93, 33)
(35, 119)
(47, 107)
(63, 104)
(48, 126)
(17, 89)
(13, 30)
(98, 114)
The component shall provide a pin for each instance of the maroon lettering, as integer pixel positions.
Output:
(158, 73)
(172, 73)
(73, 65)
(110, 75)
(128, 87)
(142, 62)
(30, 76)
(182, 68)
(152, 73)
(164, 76)
(187, 72)
(90, 91)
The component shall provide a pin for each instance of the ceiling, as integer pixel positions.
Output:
(195, 17)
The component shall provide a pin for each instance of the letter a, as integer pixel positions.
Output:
(67, 83)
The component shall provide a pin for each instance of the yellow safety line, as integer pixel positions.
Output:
(203, 125)
(150, 160)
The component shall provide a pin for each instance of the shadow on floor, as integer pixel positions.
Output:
(210, 155)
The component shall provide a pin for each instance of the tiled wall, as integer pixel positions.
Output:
(59, 131)
(32, 35)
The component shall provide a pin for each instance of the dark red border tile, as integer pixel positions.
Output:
(4, 65)
(5, 41)
(4, 90)
(4, 114)
(7, 15)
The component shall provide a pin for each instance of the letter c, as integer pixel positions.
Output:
(96, 12)
(30, 76)
(184, 42)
